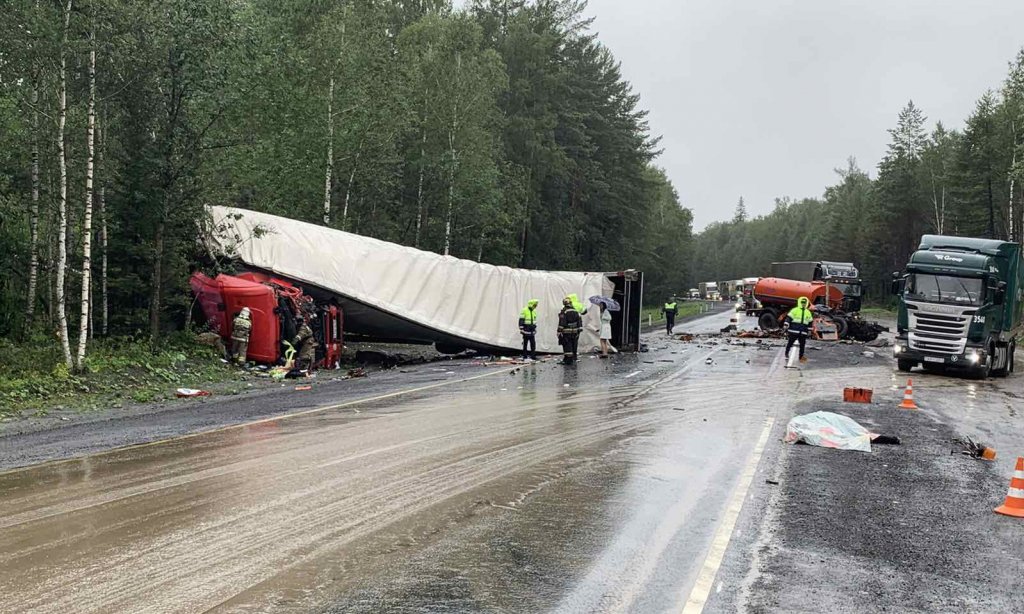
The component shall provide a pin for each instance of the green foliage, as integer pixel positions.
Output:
(118, 370)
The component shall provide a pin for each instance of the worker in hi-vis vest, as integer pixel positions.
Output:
(528, 329)
(670, 309)
(798, 325)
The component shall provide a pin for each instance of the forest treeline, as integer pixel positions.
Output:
(503, 132)
(933, 179)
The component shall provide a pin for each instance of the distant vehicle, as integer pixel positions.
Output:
(730, 290)
(773, 297)
(709, 291)
(843, 275)
(747, 292)
(693, 294)
(960, 306)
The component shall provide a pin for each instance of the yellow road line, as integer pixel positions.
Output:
(254, 422)
(716, 552)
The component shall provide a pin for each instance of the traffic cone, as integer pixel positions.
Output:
(908, 397)
(1014, 505)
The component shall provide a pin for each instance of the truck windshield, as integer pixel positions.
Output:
(946, 289)
(849, 289)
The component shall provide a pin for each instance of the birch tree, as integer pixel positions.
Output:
(62, 201)
(90, 137)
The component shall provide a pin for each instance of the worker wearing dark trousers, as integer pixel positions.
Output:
(798, 325)
(528, 329)
(670, 309)
(306, 343)
(570, 324)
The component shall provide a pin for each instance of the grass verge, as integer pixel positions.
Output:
(34, 378)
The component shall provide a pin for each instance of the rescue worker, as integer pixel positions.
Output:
(670, 309)
(798, 325)
(241, 329)
(577, 305)
(570, 324)
(528, 329)
(306, 342)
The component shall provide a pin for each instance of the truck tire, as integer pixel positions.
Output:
(985, 371)
(1006, 369)
(768, 321)
(905, 365)
(842, 326)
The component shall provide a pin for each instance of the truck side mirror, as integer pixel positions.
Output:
(1000, 293)
(898, 285)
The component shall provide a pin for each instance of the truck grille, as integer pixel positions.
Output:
(938, 333)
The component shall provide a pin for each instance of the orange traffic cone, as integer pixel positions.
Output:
(908, 397)
(1014, 505)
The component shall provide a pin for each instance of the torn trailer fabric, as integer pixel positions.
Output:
(401, 293)
(828, 430)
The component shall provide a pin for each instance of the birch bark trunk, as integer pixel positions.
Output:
(330, 153)
(101, 169)
(90, 153)
(454, 161)
(62, 201)
(33, 263)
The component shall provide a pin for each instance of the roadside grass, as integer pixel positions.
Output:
(34, 378)
(686, 309)
(879, 312)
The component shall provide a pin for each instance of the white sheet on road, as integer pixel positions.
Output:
(471, 300)
(829, 430)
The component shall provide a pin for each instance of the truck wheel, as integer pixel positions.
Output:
(905, 365)
(768, 321)
(842, 326)
(985, 370)
(1006, 368)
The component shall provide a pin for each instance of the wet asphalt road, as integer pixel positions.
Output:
(612, 486)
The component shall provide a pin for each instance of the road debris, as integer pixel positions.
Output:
(828, 430)
(191, 392)
(974, 449)
(857, 395)
(357, 372)
(306, 387)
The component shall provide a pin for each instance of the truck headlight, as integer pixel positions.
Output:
(973, 357)
(897, 349)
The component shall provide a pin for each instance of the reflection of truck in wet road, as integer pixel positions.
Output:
(842, 275)
(960, 305)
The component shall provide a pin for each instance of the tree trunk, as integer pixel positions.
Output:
(33, 263)
(104, 297)
(90, 153)
(330, 153)
(62, 201)
(423, 165)
(991, 211)
(1013, 176)
(454, 162)
(351, 180)
(156, 284)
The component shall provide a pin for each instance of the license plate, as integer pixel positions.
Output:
(934, 359)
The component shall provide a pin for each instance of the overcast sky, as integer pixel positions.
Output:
(764, 98)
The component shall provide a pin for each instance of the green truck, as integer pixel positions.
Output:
(960, 306)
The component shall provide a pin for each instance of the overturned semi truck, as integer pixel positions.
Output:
(402, 294)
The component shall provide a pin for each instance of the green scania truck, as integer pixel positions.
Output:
(960, 306)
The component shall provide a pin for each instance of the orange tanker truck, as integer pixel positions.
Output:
(777, 296)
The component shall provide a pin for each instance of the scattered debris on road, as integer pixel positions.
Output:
(969, 447)
(857, 395)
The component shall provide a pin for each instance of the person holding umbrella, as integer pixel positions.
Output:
(606, 330)
(607, 306)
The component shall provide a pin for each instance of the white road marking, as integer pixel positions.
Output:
(632, 374)
(716, 552)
